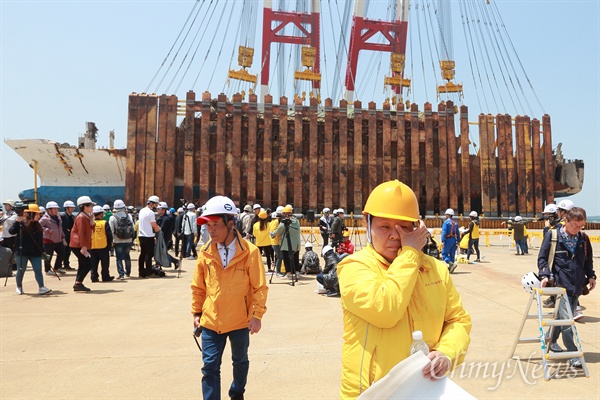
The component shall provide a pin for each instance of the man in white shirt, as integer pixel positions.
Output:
(190, 231)
(146, 230)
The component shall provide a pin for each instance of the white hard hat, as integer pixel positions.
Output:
(566, 205)
(215, 206)
(153, 199)
(530, 280)
(68, 203)
(106, 207)
(180, 210)
(163, 204)
(473, 214)
(51, 204)
(9, 202)
(449, 212)
(279, 210)
(326, 210)
(518, 218)
(254, 207)
(335, 211)
(84, 200)
(247, 207)
(341, 210)
(550, 209)
(97, 209)
(119, 204)
(308, 245)
(42, 210)
(326, 249)
(191, 206)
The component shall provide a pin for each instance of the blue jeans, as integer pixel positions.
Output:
(567, 333)
(190, 246)
(122, 252)
(36, 264)
(213, 345)
(449, 250)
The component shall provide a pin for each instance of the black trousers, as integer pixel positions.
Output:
(59, 249)
(102, 257)
(146, 256)
(85, 263)
(66, 261)
(325, 239)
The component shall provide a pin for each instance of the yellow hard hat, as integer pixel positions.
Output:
(262, 214)
(393, 199)
(287, 209)
(32, 208)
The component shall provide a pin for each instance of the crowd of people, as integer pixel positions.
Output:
(400, 282)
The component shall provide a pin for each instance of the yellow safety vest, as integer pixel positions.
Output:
(99, 239)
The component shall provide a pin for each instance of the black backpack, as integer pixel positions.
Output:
(124, 228)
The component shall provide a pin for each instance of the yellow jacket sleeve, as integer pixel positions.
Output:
(378, 296)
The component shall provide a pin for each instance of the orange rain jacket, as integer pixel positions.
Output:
(384, 303)
(229, 297)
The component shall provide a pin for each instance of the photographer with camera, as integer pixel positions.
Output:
(229, 296)
(289, 231)
(28, 233)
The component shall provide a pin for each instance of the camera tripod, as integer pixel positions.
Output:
(311, 236)
(355, 237)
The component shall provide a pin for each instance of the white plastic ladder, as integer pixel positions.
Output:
(549, 320)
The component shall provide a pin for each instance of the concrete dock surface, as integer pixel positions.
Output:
(133, 339)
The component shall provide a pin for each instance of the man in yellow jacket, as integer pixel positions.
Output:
(390, 289)
(229, 296)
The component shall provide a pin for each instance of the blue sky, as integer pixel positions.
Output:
(63, 63)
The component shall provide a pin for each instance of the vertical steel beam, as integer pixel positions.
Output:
(401, 172)
(444, 174)
(267, 200)
(219, 157)
(171, 144)
(252, 146)
(161, 147)
(502, 163)
(329, 177)
(513, 186)
(415, 147)
(151, 144)
(344, 175)
(548, 159)
(430, 181)
(493, 169)
(529, 185)
(485, 164)
(140, 150)
(236, 150)
(359, 169)
(310, 156)
(521, 165)
(453, 176)
(465, 162)
(284, 171)
(538, 177)
(297, 155)
(387, 143)
(130, 182)
(372, 138)
(204, 170)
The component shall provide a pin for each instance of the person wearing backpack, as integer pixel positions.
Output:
(121, 225)
(310, 261)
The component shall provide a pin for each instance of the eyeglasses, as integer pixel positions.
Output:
(576, 226)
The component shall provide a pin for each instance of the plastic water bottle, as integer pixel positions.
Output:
(418, 344)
